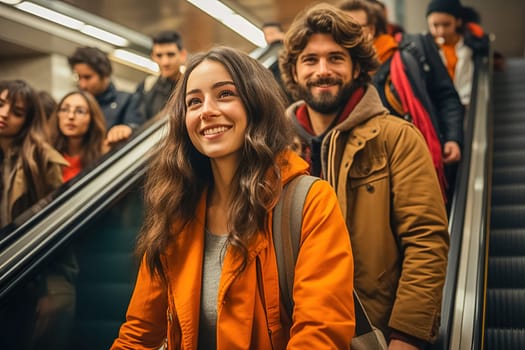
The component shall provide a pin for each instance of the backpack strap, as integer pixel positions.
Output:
(286, 226)
(414, 45)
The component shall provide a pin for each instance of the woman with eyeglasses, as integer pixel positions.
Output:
(79, 131)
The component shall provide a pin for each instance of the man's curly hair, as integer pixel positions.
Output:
(326, 19)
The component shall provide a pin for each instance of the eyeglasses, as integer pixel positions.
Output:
(77, 112)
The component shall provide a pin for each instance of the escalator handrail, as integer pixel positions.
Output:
(27, 220)
(466, 301)
(458, 209)
(56, 223)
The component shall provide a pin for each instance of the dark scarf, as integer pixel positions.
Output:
(311, 151)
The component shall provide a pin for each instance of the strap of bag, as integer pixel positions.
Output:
(288, 217)
(287, 223)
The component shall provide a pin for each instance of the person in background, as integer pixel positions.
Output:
(413, 84)
(273, 32)
(208, 257)
(30, 170)
(152, 94)
(93, 71)
(458, 41)
(79, 132)
(380, 168)
(48, 103)
(391, 28)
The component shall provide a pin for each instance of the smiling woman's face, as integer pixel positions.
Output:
(216, 118)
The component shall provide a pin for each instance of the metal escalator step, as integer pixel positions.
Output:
(504, 94)
(506, 272)
(509, 129)
(508, 116)
(505, 308)
(507, 242)
(506, 158)
(507, 83)
(507, 216)
(501, 108)
(509, 143)
(508, 194)
(509, 175)
(504, 339)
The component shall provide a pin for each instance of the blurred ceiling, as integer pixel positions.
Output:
(199, 30)
(23, 35)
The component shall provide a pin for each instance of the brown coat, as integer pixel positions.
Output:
(388, 191)
(17, 191)
(323, 313)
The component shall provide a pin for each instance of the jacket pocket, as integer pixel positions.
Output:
(366, 170)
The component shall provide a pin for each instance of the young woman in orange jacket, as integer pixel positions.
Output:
(208, 278)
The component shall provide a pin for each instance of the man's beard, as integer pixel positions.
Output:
(326, 103)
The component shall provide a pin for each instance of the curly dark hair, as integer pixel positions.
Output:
(179, 174)
(326, 19)
(94, 58)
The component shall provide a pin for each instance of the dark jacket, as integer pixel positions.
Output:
(151, 96)
(115, 106)
(431, 84)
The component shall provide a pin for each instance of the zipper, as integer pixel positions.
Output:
(260, 286)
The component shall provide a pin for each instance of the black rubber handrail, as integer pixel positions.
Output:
(480, 295)
(457, 215)
(47, 205)
(43, 233)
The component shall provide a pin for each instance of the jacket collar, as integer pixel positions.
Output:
(368, 107)
(108, 95)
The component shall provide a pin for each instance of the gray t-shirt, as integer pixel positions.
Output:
(214, 250)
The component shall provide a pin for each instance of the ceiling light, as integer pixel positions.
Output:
(50, 15)
(135, 59)
(232, 20)
(10, 2)
(104, 35)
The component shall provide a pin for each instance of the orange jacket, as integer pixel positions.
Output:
(323, 316)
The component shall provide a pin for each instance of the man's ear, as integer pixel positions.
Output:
(357, 71)
(294, 74)
(183, 55)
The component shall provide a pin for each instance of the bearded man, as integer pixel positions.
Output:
(380, 168)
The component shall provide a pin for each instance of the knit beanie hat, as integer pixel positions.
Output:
(452, 7)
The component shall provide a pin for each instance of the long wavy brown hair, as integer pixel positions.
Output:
(32, 137)
(326, 19)
(179, 174)
(93, 140)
